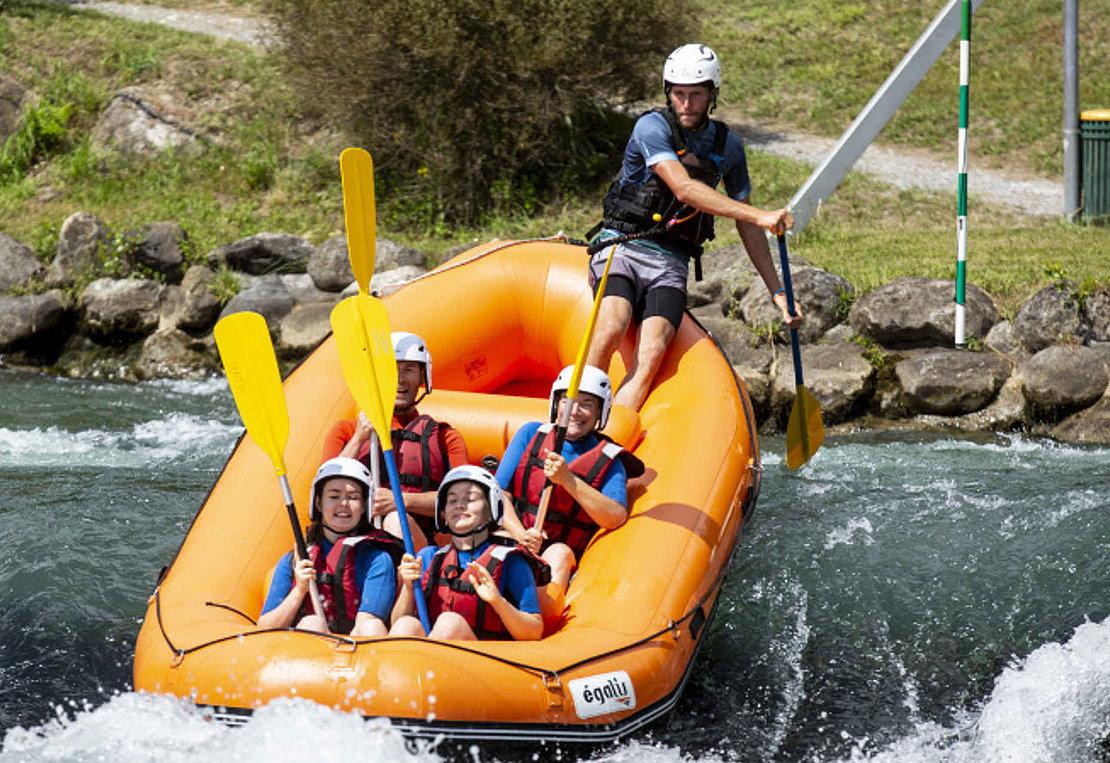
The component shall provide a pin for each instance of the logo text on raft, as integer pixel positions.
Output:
(602, 694)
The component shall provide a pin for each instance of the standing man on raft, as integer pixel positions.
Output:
(666, 192)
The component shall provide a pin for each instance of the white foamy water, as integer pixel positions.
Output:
(178, 435)
(1051, 707)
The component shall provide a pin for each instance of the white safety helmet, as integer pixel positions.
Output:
(473, 474)
(594, 380)
(409, 346)
(692, 64)
(338, 467)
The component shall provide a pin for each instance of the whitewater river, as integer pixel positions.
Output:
(901, 598)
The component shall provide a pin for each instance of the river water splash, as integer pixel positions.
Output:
(903, 597)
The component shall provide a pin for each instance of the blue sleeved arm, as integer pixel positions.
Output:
(615, 485)
(379, 583)
(650, 142)
(514, 453)
(518, 585)
(280, 584)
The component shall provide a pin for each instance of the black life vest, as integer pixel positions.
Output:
(628, 208)
(566, 521)
(421, 461)
(445, 590)
(340, 592)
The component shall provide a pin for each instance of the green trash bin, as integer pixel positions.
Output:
(1094, 132)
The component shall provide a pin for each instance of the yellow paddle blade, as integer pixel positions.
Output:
(252, 373)
(356, 168)
(804, 430)
(361, 328)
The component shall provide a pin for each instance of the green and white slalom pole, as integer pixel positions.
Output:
(961, 193)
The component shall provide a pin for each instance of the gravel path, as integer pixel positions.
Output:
(898, 167)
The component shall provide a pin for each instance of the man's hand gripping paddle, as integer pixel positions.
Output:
(572, 387)
(361, 328)
(252, 373)
(804, 431)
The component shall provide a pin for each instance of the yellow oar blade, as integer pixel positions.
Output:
(361, 328)
(356, 168)
(804, 430)
(252, 373)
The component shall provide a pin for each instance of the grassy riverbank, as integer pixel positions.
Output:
(810, 66)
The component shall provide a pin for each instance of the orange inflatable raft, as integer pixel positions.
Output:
(500, 321)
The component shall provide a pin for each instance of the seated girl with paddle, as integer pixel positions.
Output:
(350, 563)
(474, 589)
(586, 477)
(425, 449)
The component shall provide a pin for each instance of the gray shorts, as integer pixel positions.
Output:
(655, 283)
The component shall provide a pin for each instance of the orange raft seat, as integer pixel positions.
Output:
(500, 321)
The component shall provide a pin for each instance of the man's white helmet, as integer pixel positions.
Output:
(338, 467)
(474, 474)
(594, 380)
(692, 64)
(409, 346)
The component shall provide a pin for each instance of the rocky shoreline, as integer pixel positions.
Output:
(882, 359)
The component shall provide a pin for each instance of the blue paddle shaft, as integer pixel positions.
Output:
(789, 288)
(406, 534)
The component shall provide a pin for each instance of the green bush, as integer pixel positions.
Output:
(476, 107)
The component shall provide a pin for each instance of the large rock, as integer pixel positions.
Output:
(191, 306)
(838, 375)
(80, 240)
(264, 253)
(1097, 315)
(268, 297)
(750, 358)
(303, 289)
(389, 281)
(159, 247)
(1004, 339)
(18, 264)
(171, 353)
(1090, 426)
(136, 122)
(329, 265)
(727, 274)
(951, 382)
(32, 319)
(390, 254)
(919, 312)
(117, 311)
(821, 296)
(1050, 315)
(304, 327)
(1062, 379)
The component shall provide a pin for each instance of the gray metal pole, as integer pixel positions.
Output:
(878, 111)
(1071, 109)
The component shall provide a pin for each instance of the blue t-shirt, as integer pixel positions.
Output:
(373, 567)
(518, 585)
(651, 143)
(615, 483)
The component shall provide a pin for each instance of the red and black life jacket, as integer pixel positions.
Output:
(340, 592)
(567, 521)
(445, 590)
(629, 208)
(421, 458)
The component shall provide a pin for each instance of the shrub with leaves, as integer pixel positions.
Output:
(471, 107)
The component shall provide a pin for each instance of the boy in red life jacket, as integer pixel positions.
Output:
(352, 563)
(588, 479)
(474, 589)
(425, 449)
